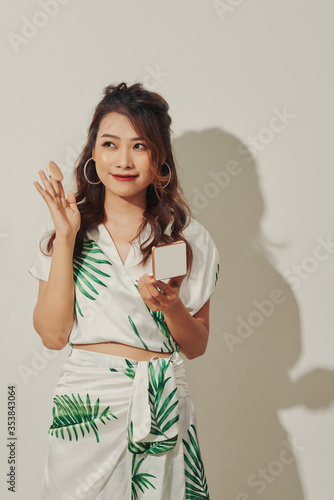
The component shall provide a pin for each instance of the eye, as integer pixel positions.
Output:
(107, 143)
(140, 144)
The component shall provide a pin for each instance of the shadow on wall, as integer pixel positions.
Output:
(243, 379)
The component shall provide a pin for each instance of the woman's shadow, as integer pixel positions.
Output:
(243, 381)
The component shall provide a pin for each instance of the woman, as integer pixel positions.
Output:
(123, 422)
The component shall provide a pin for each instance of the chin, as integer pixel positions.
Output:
(125, 192)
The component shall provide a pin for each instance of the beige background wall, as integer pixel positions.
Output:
(250, 87)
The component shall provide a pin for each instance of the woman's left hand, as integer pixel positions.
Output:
(156, 300)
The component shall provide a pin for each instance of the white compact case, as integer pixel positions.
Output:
(169, 261)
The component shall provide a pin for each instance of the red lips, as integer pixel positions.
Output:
(124, 177)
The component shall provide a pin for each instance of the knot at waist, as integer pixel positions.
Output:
(154, 406)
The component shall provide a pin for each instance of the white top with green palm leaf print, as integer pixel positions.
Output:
(108, 304)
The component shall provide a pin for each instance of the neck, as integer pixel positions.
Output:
(122, 210)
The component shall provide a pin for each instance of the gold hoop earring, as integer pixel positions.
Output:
(84, 171)
(170, 175)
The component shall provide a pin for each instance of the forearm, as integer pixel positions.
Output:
(189, 333)
(54, 312)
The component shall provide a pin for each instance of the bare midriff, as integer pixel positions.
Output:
(126, 351)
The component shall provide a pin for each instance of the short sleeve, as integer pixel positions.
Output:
(198, 288)
(41, 265)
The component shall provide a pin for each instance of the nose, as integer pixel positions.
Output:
(124, 159)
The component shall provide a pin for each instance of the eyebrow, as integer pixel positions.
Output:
(116, 137)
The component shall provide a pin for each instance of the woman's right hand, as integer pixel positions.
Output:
(65, 213)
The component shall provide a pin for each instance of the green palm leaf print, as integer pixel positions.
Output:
(139, 481)
(161, 406)
(129, 371)
(73, 414)
(150, 448)
(196, 486)
(162, 325)
(136, 332)
(217, 274)
(83, 270)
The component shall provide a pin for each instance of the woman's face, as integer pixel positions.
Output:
(122, 159)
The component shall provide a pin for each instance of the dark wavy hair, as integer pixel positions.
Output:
(148, 113)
